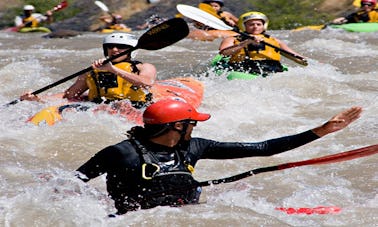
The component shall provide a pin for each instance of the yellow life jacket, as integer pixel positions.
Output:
(33, 22)
(373, 16)
(260, 52)
(104, 84)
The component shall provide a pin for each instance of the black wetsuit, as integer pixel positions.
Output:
(358, 17)
(123, 165)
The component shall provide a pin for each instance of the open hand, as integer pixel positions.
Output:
(339, 121)
(30, 97)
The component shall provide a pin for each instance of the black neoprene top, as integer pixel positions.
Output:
(122, 162)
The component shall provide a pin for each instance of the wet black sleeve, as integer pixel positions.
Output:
(116, 160)
(357, 17)
(97, 165)
(231, 150)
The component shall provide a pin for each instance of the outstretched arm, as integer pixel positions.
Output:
(339, 121)
(231, 150)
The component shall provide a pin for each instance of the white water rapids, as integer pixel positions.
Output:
(37, 183)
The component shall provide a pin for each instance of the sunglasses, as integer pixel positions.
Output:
(366, 4)
(118, 46)
(194, 123)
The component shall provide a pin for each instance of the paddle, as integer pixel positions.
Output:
(311, 27)
(356, 3)
(157, 37)
(208, 9)
(103, 7)
(56, 8)
(211, 21)
(339, 157)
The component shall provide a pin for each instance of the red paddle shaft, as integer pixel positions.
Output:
(344, 156)
(60, 6)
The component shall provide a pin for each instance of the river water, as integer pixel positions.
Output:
(37, 183)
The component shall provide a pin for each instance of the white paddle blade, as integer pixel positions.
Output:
(102, 6)
(202, 17)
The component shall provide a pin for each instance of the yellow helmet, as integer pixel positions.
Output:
(252, 16)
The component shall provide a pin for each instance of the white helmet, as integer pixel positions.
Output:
(28, 7)
(119, 38)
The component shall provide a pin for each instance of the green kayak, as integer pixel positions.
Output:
(220, 64)
(357, 27)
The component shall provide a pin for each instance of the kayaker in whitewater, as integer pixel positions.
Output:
(367, 13)
(29, 19)
(152, 21)
(114, 22)
(226, 16)
(214, 7)
(121, 79)
(249, 54)
(154, 166)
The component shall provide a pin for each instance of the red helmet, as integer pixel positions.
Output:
(374, 2)
(170, 110)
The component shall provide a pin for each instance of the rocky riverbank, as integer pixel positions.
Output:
(137, 11)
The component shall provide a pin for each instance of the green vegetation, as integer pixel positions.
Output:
(284, 14)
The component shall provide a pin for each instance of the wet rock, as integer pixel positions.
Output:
(62, 33)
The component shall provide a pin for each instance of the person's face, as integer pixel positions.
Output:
(254, 27)
(188, 134)
(114, 49)
(189, 130)
(367, 6)
(28, 12)
(215, 6)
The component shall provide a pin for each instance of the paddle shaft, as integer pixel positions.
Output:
(344, 156)
(339, 157)
(72, 76)
(157, 37)
(81, 72)
(206, 18)
(287, 54)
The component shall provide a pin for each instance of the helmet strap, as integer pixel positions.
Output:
(182, 131)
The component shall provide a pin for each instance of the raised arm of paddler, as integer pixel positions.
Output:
(338, 121)
(145, 76)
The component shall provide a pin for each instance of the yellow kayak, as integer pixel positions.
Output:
(35, 29)
(109, 30)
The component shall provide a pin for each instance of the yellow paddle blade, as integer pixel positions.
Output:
(310, 27)
(208, 9)
(50, 115)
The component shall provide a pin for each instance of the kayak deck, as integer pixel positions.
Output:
(186, 89)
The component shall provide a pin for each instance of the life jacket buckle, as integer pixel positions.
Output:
(153, 173)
